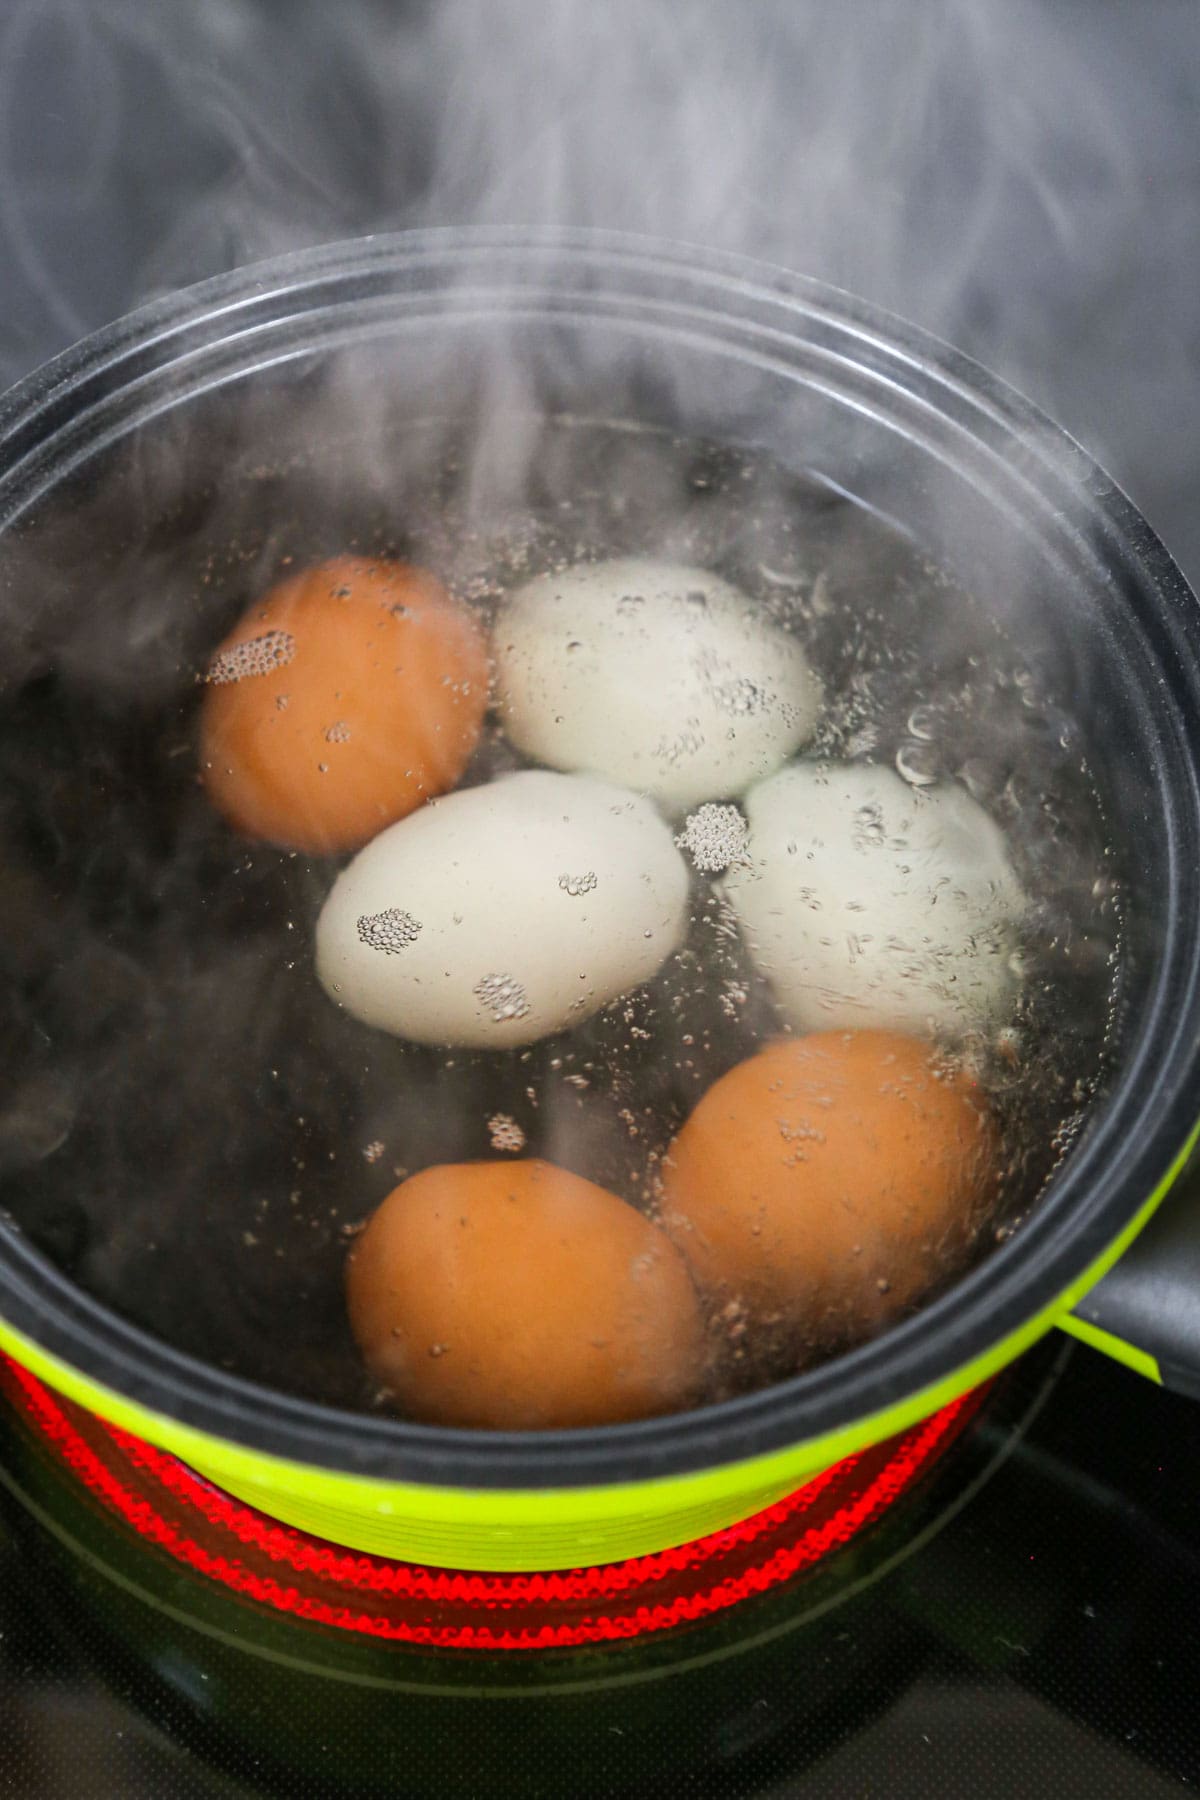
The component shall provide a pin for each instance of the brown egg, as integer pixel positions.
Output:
(831, 1179)
(518, 1296)
(341, 701)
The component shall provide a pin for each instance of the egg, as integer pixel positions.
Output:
(344, 698)
(504, 912)
(521, 1297)
(661, 677)
(829, 1180)
(866, 902)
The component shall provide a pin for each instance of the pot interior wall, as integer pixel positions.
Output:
(117, 580)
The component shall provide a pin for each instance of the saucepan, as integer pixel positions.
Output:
(142, 476)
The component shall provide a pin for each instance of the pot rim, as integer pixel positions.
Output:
(1132, 1148)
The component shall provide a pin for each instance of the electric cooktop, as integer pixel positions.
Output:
(1024, 1618)
(1011, 1608)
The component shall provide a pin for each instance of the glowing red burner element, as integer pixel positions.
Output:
(185, 1517)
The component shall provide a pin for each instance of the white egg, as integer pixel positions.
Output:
(867, 903)
(504, 912)
(663, 678)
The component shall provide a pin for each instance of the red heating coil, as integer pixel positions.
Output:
(170, 1506)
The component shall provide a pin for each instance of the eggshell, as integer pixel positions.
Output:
(342, 700)
(866, 902)
(831, 1179)
(505, 912)
(519, 1296)
(662, 677)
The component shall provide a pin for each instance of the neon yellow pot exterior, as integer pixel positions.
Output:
(555, 1528)
(960, 451)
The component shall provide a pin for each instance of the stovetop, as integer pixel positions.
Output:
(1033, 1626)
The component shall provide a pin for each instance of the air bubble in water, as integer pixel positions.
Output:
(685, 743)
(918, 764)
(505, 1133)
(255, 656)
(714, 837)
(740, 697)
(868, 833)
(503, 996)
(390, 931)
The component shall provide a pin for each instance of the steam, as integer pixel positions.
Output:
(964, 163)
(1017, 175)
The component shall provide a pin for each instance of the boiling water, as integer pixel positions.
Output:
(196, 1132)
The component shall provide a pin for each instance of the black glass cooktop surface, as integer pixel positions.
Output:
(1027, 1623)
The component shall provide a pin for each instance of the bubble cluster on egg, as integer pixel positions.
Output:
(679, 622)
(867, 903)
(503, 913)
(662, 677)
(344, 698)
